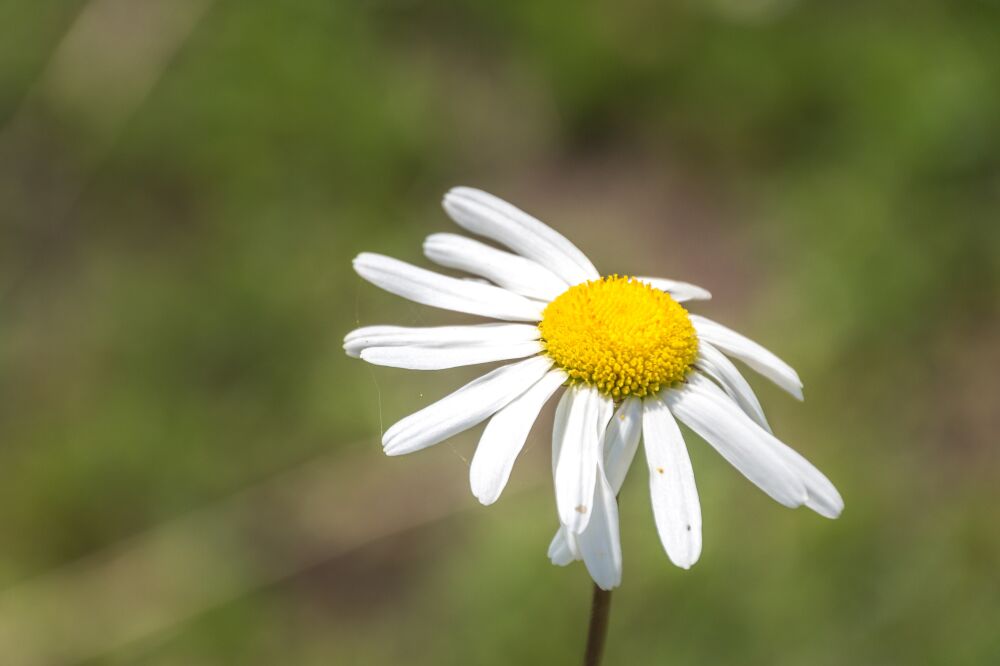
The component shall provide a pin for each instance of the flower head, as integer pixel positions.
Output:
(632, 362)
(619, 335)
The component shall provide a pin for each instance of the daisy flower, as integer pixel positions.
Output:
(631, 361)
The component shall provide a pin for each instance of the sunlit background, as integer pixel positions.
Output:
(190, 468)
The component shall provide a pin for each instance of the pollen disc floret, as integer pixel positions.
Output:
(620, 335)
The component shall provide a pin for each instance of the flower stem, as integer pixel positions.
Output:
(600, 610)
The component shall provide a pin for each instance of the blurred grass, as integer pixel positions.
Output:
(832, 173)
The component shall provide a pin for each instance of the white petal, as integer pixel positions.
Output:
(672, 489)
(441, 291)
(704, 408)
(584, 415)
(437, 336)
(715, 364)
(680, 291)
(487, 215)
(504, 438)
(600, 543)
(564, 549)
(440, 358)
(466, 407)
(750, 353)
(622, 440)
(560, 420)
(517, 274)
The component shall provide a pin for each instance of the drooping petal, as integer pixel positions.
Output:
(680, 291)
(510, 271)
(564, 549)
(584, 413)
(715, 364)
(622, 441)
(751, 353)
(441, 291)
(672, 489)
(560, 421)
(486, 215)
(504, 438)
(704, 408)
(466, 407)
(600, 543)
(440, 358)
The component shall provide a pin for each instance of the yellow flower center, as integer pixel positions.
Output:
(620, 335)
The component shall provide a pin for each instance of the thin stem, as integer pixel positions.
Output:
(600, 610)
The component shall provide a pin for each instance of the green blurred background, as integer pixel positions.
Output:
(190, 470)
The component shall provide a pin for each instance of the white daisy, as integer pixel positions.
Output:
(632, 358)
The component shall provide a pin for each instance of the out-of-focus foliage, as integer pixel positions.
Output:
(171, 335)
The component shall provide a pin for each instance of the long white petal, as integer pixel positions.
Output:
(751, 353)
(621, 443)
(704, 408)
(504, 438)
(672, 489)
(440, 358)
(510, 271)
(564, 548)
(560, 421)
(600, 543)
(437, 336)
(486, 215)
(585, 415)
(441, 291)
(715, 364)
(680, 291)
(466, 407)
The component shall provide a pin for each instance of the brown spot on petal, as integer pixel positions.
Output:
(660, 470)
(581, 509)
